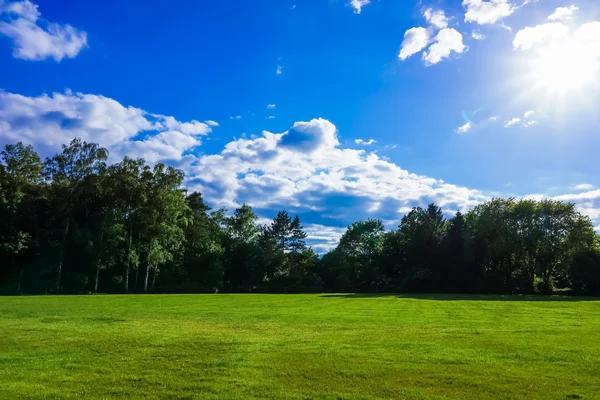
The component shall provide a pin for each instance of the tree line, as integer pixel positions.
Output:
(75, 224)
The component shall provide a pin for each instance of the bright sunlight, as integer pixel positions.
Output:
(564, 67)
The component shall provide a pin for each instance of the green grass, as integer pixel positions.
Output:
(299, 347)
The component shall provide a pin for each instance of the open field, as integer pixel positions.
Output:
(299, 347)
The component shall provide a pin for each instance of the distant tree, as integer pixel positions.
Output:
(360, 248)
(202, 258)
(241, 269)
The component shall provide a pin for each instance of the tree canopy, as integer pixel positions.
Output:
(75, 224)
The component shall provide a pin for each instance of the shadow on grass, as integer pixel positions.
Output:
(469, 297)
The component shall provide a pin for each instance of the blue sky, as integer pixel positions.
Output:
(335, 110)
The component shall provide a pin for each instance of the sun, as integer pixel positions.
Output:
(564, 67)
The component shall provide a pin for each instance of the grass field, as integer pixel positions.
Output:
(299, 347)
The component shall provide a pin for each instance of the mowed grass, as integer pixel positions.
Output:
(299, 347)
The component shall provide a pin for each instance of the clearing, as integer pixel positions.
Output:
(299, 347)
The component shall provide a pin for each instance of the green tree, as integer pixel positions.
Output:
(67, 172)
(360, 249)
(20, 172)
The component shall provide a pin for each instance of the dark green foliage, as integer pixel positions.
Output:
(75, 224)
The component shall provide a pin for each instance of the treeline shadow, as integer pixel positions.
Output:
(465, 297)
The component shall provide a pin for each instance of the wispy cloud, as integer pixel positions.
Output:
(464, 128)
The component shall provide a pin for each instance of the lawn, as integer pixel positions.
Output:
(299, 347)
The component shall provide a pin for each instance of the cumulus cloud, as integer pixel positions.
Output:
(365, 142)
(487, 12)
(279, 70)
(436, 18)
(579, 48)
(530, 36)
(48, 121)
(235, 117)
(528, 114)
(358, 5)
(465, 128)
(512, 122)
(306, 169)
(477, 35)
(563, 13)
(415, 40)
(211, 123)
(271, 106)
(441, 46)
(446, 41)
(36, 39)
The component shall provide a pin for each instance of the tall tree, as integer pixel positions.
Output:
(20, 171)
(360, 248)
(67, 172)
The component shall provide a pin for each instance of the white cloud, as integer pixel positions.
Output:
(528, 114)
(587, 203)
(415, 40)
(527, 124)
(211, 123)
(487, 12)
(512, 122)
(477, 35)
(358, 5)
(235, 117)
(446, 41)
(271, 106)
(494, 118)
(48, 121)
(584, 186)
(528, 37)
(323, 238)
(465, 128)
(36, 39)
(305, 166)
(436, 18)
(279, 70)
(302, 169)
(563, 13)
(365, 142)
(271, 117)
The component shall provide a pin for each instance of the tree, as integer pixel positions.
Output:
(202, 258)
(164, 216)
(67, 172)
(128, 181)
(241, 269)
(284, 238)
(360, 249)
(20, 171)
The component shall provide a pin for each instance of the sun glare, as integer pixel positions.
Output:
(564, 67)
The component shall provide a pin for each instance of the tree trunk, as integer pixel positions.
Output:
(146, 274)
(154, 278)
(128, 267)
(135, 280)
(99, 260)
(20, 281)
(127, 280)
(62, 253)
(97, 277)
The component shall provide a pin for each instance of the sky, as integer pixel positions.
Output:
(335, 110)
